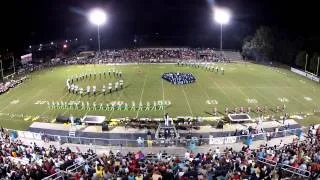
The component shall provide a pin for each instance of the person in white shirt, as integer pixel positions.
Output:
(88, 90)
(76, 88)
(69, 88)
(72, 88)
(80, 91)
(94, 90)
(110, 87)
(121, 83)
(140, 141)
(166, 119)
(116, 85)
(187, 155)
(104, 90)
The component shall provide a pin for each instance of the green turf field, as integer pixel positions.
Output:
(241, 85)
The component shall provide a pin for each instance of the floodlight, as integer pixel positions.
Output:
(222, 16)
(97, 17)
(65, 46)
(51, 43)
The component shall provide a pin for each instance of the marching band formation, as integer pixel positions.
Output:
(212, 67)
(179, 78)
(112, 106)
(74, 88)
(258, 109)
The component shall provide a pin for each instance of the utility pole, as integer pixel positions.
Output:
(1, 69)
(14, 67)
(318, 66)
(305, 67)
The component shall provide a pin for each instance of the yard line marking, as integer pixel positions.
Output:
(209, 99)
(39, 92)
(257, 92)
(266, 99)
(144, 84)
(121, 94)
(240, 90)
(164, 109)
(291, 96)
(10, 96)
(225, 94)
(185, 95)
(282, 88)
(202, 89)
(64, 112)
(116, 101)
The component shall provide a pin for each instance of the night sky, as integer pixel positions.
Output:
(152, 22)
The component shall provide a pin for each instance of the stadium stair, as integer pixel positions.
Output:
(72, 131)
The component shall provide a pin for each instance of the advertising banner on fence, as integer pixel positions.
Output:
(222, 140)
(306, 74)
(29, 135)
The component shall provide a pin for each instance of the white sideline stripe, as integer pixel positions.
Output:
(144, 84)
(185, 95)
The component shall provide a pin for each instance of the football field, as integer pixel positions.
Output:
(242, 85)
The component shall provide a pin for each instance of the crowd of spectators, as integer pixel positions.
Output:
(162, 55)
(136, 55)
(299, 159)
(4, 87)
(30, 161)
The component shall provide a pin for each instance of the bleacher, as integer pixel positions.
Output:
(296, 160)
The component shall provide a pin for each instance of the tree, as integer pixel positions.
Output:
(269, 44)
(260, 46)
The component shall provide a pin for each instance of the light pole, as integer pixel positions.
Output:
(97, 17)
(221, 16)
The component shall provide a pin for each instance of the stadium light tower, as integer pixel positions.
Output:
(97, 17)
(221, 16)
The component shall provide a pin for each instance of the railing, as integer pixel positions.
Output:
(77, 166)
(62, 174)
(56, 176)
(181, 142)
(295, 171)
(290, 169)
